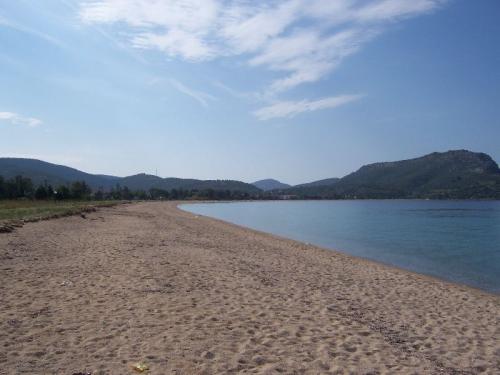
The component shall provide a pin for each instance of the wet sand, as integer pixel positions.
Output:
(185, 294)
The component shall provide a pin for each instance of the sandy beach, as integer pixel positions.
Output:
(185, 294)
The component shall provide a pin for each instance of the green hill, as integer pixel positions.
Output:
(457, 174)
(313, 189)
(324, 182)
(270, 184)
(42, 172)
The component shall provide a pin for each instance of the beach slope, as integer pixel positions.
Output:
(185, 294)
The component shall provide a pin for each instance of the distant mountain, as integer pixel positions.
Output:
(270, 184)
(42, 172)
(313, 189)
(231, 185)
(458, 174)
(53, 174)
(145, 182)
(142, 181)
(325, 182)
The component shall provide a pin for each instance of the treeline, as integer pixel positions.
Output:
(23, 187)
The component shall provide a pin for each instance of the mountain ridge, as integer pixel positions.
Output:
(42, 172)
(454, 174)
(270, 184)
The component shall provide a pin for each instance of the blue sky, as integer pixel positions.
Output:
(295, 90)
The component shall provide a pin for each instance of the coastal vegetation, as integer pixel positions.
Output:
(34, 210)
(23, 188)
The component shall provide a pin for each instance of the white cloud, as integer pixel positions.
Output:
(395, 9)
(178, 28)
(308, 56)
(249, 27)
(17, 119)
(201, 97)
(291, 108)
(303, 39)
(175, 42)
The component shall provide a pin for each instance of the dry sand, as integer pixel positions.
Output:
(192, 295)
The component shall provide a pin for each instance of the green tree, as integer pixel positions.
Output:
(18, 187)
(24, 187)
(116, 193)
(3, 193)
(41, 192)
(140, 194)
(50, 191)
(126, 193)
(62, 192)
(80, 190)
(174, 194)
(99, 195)
(156, 193)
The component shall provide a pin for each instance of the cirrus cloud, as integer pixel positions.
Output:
(201, 97)
(304, 40)
(292, 108)
(17, 119)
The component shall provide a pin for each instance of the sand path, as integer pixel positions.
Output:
(191, 295)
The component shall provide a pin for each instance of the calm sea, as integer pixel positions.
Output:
(454, 240)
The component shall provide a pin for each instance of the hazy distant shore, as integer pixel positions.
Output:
(189, 294)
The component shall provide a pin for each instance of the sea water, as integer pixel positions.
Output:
(458, 241)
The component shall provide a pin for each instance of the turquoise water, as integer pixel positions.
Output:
(457, 241)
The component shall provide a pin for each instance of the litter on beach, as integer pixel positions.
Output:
(140, 367)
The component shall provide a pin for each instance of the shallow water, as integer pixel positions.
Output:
(457, 241)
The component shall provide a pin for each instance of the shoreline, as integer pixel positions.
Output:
(152, 283)
(342, 253)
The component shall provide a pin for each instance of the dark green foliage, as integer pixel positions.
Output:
(2, 188)
(80, 190)
(44, 192)
(140, 194)
(22, 187)
(155, 193)
(99, 195)
(126, 193)
(41, 192)
(17, 187)
(62, 192)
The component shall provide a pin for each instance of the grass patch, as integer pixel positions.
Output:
(33, 210)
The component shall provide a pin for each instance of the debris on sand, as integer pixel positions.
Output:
(5, 228)
(140, 367)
